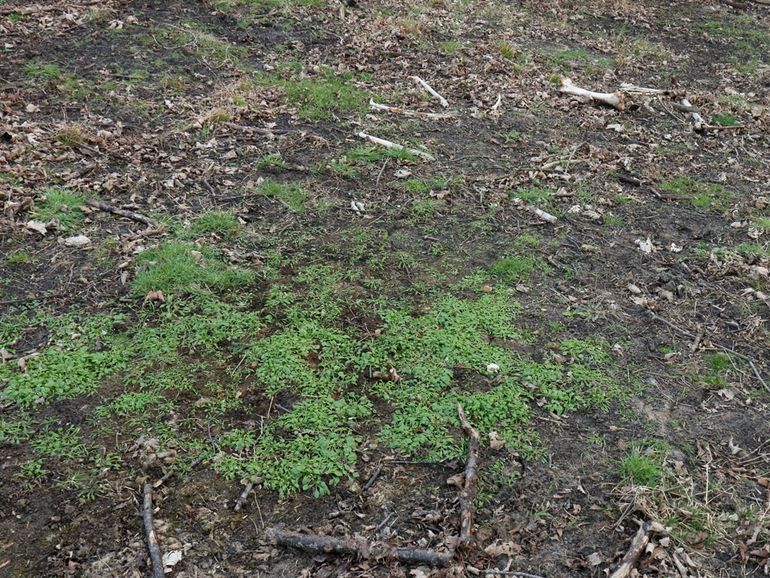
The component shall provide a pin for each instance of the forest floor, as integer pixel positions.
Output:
(287, 304)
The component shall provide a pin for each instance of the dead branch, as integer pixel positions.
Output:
(245, 494)
(613, 99)
(121, 212)
(468, 492)
(638, 545)
(152, 539)
(357, 547)
(442, 101)
(514, 573)
(548, 217)
(372, 479)
(160, 481)
(406, 112)
(396, 146)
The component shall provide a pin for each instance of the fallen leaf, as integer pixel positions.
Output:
(503, 549)
(172, 558)
(77, 241)
(495, 443)
(153, 296)
(645, 246)
(38, 226)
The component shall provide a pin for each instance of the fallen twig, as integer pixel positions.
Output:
(636, 548)
(406, 112)
(121, 212)
(511, 573)
(442, 101)
(245, 494)
(396, 146)
(372, 479)
(614, 99)
(468, 492)
(159, 482)
(152, 539)
(548, 217)
(357, 547)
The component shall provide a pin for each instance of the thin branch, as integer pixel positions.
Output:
(245, 494)
(636, 548)
(152, 539)
(121, 212)
(468, 493)
(442, 101)
(395, 146)
(357, 547)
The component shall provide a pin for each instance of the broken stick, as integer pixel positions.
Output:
(357, 547)
(614, 99)
(121, 212)
(245, 494)
(468, 493)
(638, 544)
(697, 120)
(396, 146)
(442, 101)
(406, 112)
(152, 539)
(547, 217)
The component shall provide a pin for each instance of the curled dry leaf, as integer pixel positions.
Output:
(154, 296)
(77, 241)
(495, 442)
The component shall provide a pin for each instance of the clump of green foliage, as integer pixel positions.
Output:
(222, 223)
(61, 206)
(292, 194)
(700, 194)
(177, 267)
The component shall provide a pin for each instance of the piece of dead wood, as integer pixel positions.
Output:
(468, 492)
(245, 494)
(442, 101)
(636, 548)
(357, 546)
(406, 112)
(149, 530)
(160, 481)
(395, 146)
(514, 573)
(102, 206)
(698, 123)
(613, 99)
(547, 217)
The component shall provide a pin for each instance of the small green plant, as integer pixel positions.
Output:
(20, 257)
(507, 51)
(515, 268)
(450, 47)
(513, 135)
(272, 161)
(569, 59)
(701, 195)
(366, 155)
(61, 206)
(643, 465)
(175, 267)
(42, 71)
(536, 196)
(221, 223)
(33, 471)
(292, 195)
(321, 96)
(724, 119)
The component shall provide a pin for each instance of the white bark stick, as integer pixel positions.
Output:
(548, 217)
(406, 112)
(614, 99)
(393, 145)
(442, 101)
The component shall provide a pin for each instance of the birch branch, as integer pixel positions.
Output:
(395, 146)
(547, 217)
(636, 548)
(613, 99)
(442, 101)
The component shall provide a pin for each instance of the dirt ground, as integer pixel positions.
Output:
(285, 303)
